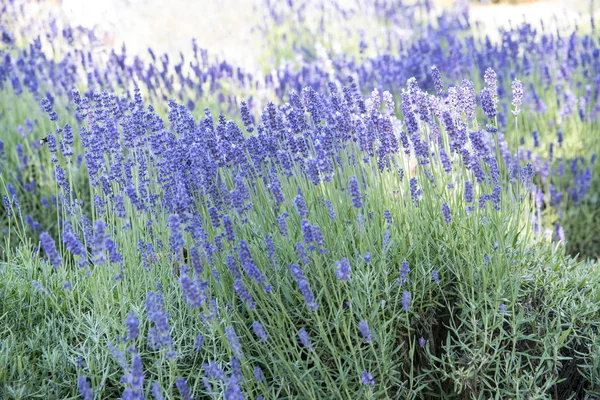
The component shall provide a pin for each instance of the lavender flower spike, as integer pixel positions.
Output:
(517, 90)
(355, 192)
(363, 326)
(343, 269)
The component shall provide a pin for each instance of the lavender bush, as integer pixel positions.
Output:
(334, 242)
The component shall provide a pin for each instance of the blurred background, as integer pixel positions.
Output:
(227, 28)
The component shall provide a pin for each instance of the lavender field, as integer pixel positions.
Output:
(310, 199)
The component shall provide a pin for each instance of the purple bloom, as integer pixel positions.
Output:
(304, 287)
(404, 270)
(135, 379)
(301, 204)
(318, 238)
(159, 335)
(415, 192)
(214, 370)
(517, 90)
(132, 325)
(490, 79)
(259, 331)
(406, 300)
(233, 340)
(487, 103)
(84, 388)
(246, 117)
(156, 391)
(388, 216)
(258, 374)
(304, 339)
(363, 326)
(467, 98)
(366, 378)
(183, 388)
(249, 265)
(447, 213)
(302, 252)
(502, 308)
(435, 276)
(307, 231)
(330, 209)
(241, 290)
(386, 239)
(233, 391)
(436, 76)
(343, 269)
(99, 242)
(355, 192)
(40, 287)
(49, 247)
(213, 213)
(281, 220)
(236, 369)
(176, 238)
(422, 342)
(228, 228)
(468, 192)
(194, 290)
(199, 342)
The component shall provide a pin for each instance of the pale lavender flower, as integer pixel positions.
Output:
(363, 326)
(132, 325)
(354, 189)
(366, 378)
(233, 391)
(447, 213)
(304, 287)
(304, 338)
(183, 388)
(156, 391)
(236, 347)
(517, 90)
(343, 269)
(404, 270)
(259, 331)
(50, 248)
(258, 374)
(85, 388)
(199, 342)
(406, 300)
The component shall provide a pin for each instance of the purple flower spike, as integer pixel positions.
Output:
(517, 89)
(259, 331)
(236, 347)
(367, 379)
(133, 326)
(355, 192)
(85, 388)
(304, 287)
(363, 326)
(304, 339)
(446, 212)
(183, 388)
(343, 269)
(50, 248)
(406, 300)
